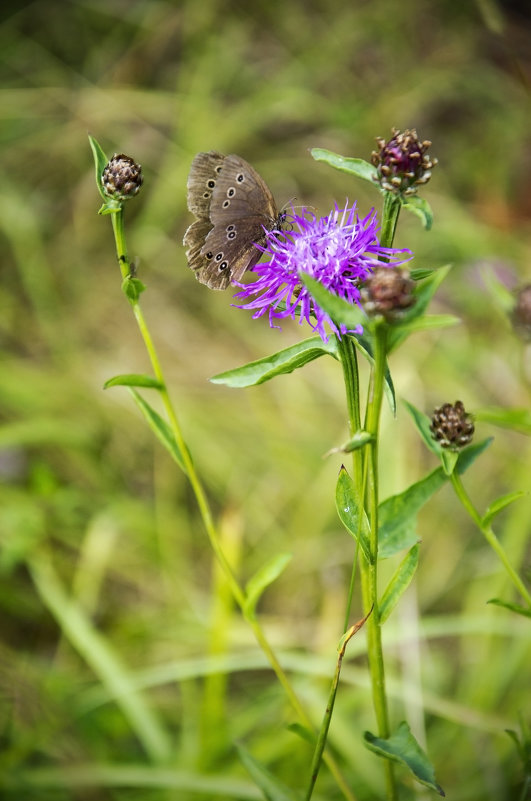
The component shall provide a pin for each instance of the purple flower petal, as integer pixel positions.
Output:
(340, 250)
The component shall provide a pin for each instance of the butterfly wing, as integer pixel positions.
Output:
(241, 192)
(204, 172)
(233, 204)
(229, 251)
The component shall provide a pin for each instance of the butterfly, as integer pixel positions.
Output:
(233, 206)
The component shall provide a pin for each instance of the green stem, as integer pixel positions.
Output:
(349, 363)
(325, 725)
(490, 536)
(369, 572)
(119, 237)
(390, 214)
(204, 507)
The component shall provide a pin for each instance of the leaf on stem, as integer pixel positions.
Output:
(272, 788)
(427, 284)
(520, 610)
(348, 510)
(160, 428)
(420, 208)
(398, 584)
(338, 309)
(285, 361)
(133, 380)
(403, 748)
(397, 515)
(261, 580)
(358, 167)
(515, 419)
(100, 162)
(110, 205)
(499, 504)
(359, 440)
(132, 288)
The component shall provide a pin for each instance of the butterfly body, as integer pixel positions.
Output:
(234, 209)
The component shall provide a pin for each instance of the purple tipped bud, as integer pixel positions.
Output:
(122, 177)
(451, 426)
(402, 163)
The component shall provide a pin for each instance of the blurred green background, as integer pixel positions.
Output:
(92, 508)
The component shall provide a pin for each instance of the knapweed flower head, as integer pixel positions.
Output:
(451, 426)
(402, 163)
(122, 177)
(388, 292)
(340, 251)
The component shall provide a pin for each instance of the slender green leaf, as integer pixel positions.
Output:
(424, 292)
(448, 457)
(272, 788)
(132, 288)
(428, 322)
(347, 509)
(422, 423)
(358, 167)
(515, 419)
(98, 652)
(160, 428)
(100, 162)
(471, 453)
(359, 440)
(520, 610)
(399, 583)
(497, 506)
(397, 515)
(449, 460)
(339, 310)
(285, 361)
(402, 747)
(420, 273)
(111, 206)
(421, 208)
(303, 732)
(133, 380)
(264, 576)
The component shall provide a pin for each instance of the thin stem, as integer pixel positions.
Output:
(390, 214)
(325, 725)
(349, 362)
(205, 510)
(369, 572)
(119, 237)
(490, 536)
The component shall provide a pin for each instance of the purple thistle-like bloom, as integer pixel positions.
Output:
(340, 251)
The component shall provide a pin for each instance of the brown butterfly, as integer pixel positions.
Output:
(233, 205)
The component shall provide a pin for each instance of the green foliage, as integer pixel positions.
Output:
(402, 747)
(272, 788)
(159, 427)
(261, 580)
(285, 361)
(348, 505)
(132, 380)
(399, 583)
(356, 167)
(85, 484)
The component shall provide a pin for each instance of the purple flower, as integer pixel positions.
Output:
(340, 251)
